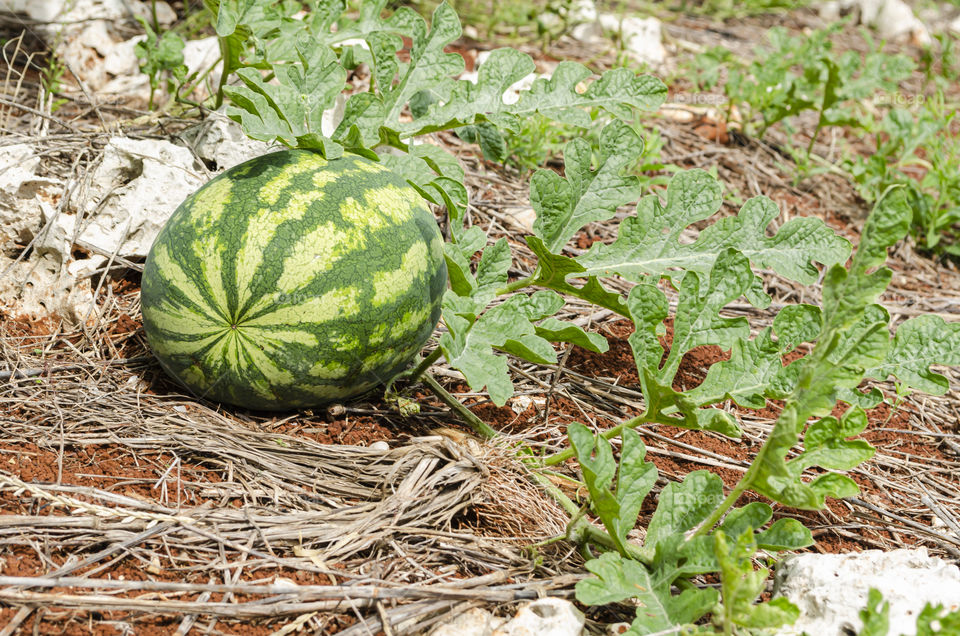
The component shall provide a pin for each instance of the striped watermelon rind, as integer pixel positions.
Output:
(290, 281)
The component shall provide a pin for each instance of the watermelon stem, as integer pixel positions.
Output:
(479, 426)
(414, 374)
(515, 285)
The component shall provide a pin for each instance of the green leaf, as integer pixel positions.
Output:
(462, 280)
(617, 91)
(618, 579)
(538, 305)
(566, 204)
(876, 615)
(755, 514)
(918, 343)
(697, 320)
(463, 306)
(552, 270)
(430, 67)
(467, 100)
(595, 456)
(785, 534)
(617, 508)
(428, 71)
(682, 506)
(291, 109)
(363, 114)
(635, 478)
(659, 397)
(492, 270)
(796, 324)
(530, 347)
(826, 444)
(230, 14)
(672, 555)
(488, 137)
(556, 330)
(160, 53)
(753, 373)
(645, 243)
(436, 175)
(469, 349)
(469, 345)
(648, 244)
(741, 585)
(648, 307)
(854, 337)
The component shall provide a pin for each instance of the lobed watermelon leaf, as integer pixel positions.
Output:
(753, 373)
(617, 507)
(658, 611)
(698, 321)
(854, 337)
(553, 270)
(918, 343)
(469, 345)
(522, 326)
(565, 204)
(667, 555)
(741, 585)
(617, 91)
(648, 244)
(291, 110)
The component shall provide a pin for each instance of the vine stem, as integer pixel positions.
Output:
(813, 139)
(707, 524)
(479, 426)
(414, 374)
(515, 285)
(224, 72)
(581, 531)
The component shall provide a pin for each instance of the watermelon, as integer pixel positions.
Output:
(290, 281)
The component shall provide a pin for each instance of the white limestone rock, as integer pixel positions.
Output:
(64, 11)
(641, 37)
(544, 617)
(896, 19)
(35, 285)
(831, 589)
(21, 195)
(134, 190)
(220, 141)
(474, 622)
(582, 11)
(955, 25)
(893, 19)
(121, 58)
(39, 286)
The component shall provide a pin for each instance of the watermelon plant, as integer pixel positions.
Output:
(298, 69)
(289, 281)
